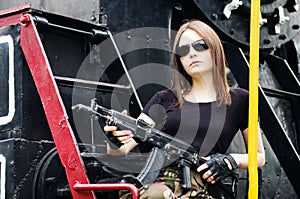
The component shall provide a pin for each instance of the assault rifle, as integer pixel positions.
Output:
(171, 146)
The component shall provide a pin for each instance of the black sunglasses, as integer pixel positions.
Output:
(198, 45)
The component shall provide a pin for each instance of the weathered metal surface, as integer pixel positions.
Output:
(78, 9)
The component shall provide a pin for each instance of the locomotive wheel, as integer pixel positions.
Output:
(50, 180)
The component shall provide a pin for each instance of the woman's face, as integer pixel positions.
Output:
(195, 62)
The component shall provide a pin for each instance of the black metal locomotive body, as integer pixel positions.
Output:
(87, 63)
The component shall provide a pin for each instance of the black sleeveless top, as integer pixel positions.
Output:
(205, 126)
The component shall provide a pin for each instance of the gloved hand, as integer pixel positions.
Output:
(219, 167)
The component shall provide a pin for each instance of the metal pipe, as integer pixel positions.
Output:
(125, 70)
(281, 94)
(94, 34)
(76, 80)
(253, 99)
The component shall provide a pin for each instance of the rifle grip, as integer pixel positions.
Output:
(113, 141)
(186, 174)
(186, 177)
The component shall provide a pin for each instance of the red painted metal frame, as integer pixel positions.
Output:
(12, 15)
(53, 106)
(57, 118)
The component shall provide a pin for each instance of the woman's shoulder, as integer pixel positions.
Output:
(165, 98)
(164, 95)
(239, 93)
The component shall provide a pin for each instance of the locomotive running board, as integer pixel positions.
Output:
(56, 115)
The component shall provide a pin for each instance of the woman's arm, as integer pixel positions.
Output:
(242, 159)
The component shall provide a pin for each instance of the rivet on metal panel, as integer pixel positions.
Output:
(25, 20)
(63, 123)
(72, 163)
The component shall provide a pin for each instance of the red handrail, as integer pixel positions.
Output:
(108, 186)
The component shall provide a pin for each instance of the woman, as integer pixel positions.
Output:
(200, 109)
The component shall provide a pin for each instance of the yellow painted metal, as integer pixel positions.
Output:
(253, 99)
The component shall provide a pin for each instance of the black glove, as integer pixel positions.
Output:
(219, 168)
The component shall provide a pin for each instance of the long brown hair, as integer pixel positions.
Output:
(182, 81)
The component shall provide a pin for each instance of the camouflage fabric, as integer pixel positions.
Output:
(168, 186)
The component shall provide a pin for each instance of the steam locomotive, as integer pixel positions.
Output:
(56, 54)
